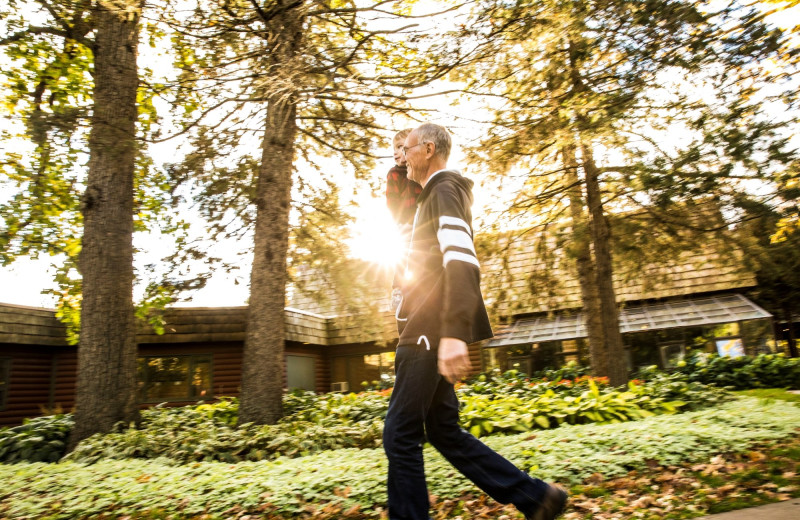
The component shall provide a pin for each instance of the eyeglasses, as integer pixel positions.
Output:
(405, 149)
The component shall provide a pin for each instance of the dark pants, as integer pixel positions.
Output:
(423, 402)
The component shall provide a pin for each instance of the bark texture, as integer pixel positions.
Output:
(608, 357)
(263, 363)
(106, 385)
(790, 340)
(614, 351)
(587, 275)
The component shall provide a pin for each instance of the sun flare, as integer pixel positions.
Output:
(375, 235)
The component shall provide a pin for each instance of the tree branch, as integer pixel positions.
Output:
(33, 30)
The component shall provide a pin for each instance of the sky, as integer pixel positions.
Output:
(374, 235)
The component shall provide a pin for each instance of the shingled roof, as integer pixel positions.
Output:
(33, 326)
(527, 278)
(30, 326)
(210, 324)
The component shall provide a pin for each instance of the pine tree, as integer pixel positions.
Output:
(74, 161)
(101, 39)
(305, 80)
(585, 96)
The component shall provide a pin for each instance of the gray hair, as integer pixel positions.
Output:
(438, 135)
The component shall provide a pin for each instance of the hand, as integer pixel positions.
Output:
(453, 359)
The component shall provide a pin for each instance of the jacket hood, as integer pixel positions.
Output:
(451, 176)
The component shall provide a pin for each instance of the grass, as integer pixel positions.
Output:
(780, 394)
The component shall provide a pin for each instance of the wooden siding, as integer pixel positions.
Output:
(226, 378)
(303, 327)
(475, 358)
(32, 326)
(65, 380)
(28, 383)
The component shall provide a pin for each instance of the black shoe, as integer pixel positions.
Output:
(553, 504)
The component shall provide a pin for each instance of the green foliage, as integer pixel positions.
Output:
(676, 386)
(292, 488)
(334, 408)
(771, 394)
(225, 411)
(485, 414)
(515, 383)
(500, 404)
(762, 371)
(207, 432)
(47, 90)
(571, 370)
(42, 439)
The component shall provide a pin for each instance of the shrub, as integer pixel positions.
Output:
(571, 370)
(333, 421)
(677, 386)
(762, 371)
(515, 383)
(339, 408)
(43, 439)
(188, 435)
(486, 414)
(497, 403)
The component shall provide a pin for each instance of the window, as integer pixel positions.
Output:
(672, 353)
(369, 369)
(531, 358)
(758, 337)
(300, 372)
(5, 371)
(494, 358)
(174, 378)
(576, 350)
(730, 347)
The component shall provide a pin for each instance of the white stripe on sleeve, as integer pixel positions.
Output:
(454, 221)
(461, 257)
(454, 238)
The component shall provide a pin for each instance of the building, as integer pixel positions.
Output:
(198, 357)
(668, 304)
(694, 300)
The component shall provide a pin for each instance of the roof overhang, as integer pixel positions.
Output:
(711, 310)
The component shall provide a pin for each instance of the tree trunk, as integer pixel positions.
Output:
(587, 276)
(790, 340)
(106, 388)
(263, 363)
(601, 237)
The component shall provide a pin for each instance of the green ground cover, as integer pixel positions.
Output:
(349, 483)
(772, 393)
(500, 403)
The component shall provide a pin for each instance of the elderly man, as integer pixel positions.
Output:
(441, 312)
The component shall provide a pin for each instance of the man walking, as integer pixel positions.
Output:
(441, 312)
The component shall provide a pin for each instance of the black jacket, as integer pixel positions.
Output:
(441, 287)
